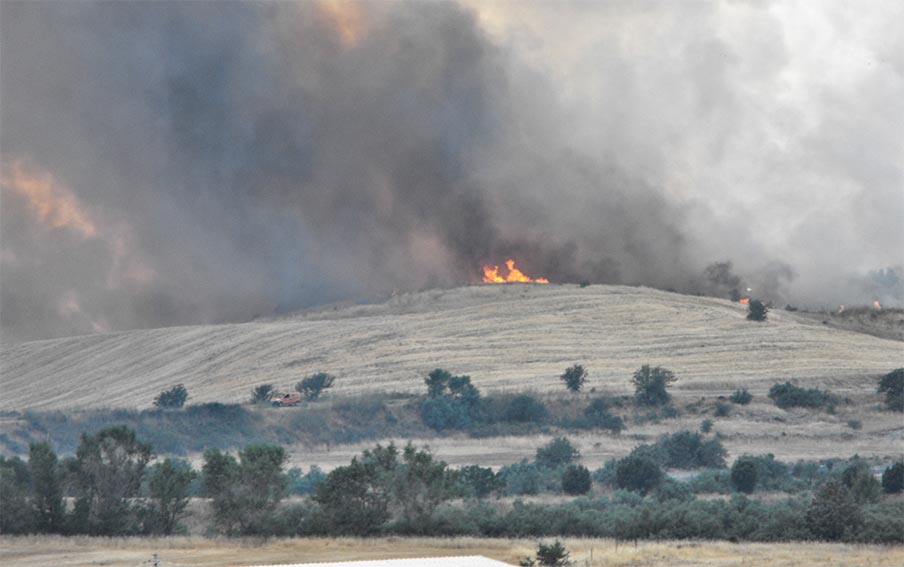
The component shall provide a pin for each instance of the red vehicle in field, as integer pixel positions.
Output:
(286, 400)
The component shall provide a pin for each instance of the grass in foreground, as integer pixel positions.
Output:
(32, 551)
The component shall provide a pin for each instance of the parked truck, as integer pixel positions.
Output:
(286, 400)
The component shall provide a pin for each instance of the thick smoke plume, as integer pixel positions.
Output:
(235, 160)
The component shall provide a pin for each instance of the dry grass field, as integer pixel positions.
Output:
(83, 551)
(508, 338)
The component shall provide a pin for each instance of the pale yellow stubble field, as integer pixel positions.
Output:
(83, 551)
(507, 338)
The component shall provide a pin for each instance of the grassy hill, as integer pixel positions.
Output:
(508, 338)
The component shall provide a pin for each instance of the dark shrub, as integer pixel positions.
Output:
(832, 512)
(574, 377)
(706, 425)
(262, 394)
(576, 480)
(524, 409)
(175, 397)
(650, 385)
(441, 414)
(687, 450)
(597, 415)
(553, 554)
(521, 478)
(722, 409)
(741, 397)
(637, 474)
(558, 452)
(892, 385)
(478, 481)
(744, 475)
(788, 395)
(757, 310)
(313, 386)
(893, 478)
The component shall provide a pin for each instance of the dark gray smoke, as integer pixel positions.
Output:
(245, 159)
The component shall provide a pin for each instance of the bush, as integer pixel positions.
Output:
(685, 450)
(706, 426)
(314, 385)
(597, 415)
(441, 414)
(788, 395)
(722, 409)
(262, 394)
(452, 401)
(557, 453)
(833, 512)
(744, 475)
(892, 385)
(574, 377)
(576, 480)
(741, 397)
(638, 474)
(553, 554)
(757, 310)
(479, 481)
(893, 478)
(175, 397)
(650, 385)
(524, 409)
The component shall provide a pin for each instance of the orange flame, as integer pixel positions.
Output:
(744, 300)
(491, 275)
(55, 205)
(346, 18)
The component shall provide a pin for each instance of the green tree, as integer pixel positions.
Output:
(46, 488)
(859, 479)
(355, 499)
(553, 554)
(557, 453)
(452, 401)
(16, 514)
(833, 512)
(893, 478)
(262, 394)
(419, 485)
(175, 397)
(313, 386)
(741, 397)
(650, 385)
(744, 475)
(168, 490)
(246, 492)
(574, 377)
(892, 385)
(109, 467)
(757, 310)
(638, 474)
(479, 481)
(576, 480)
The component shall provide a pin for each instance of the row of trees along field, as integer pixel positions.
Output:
(110, 487)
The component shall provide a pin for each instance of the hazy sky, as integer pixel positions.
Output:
(170, 163)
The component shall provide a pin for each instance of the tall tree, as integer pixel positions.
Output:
(46, 488)
(168, 490)
(246, 492)
(109, 466)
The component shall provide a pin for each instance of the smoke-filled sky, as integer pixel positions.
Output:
(169, 163)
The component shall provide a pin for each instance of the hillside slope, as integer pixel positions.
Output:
(511, 337)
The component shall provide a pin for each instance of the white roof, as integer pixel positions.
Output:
(461, 561)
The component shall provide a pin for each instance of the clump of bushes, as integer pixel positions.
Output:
(262, 394)
(313, 386)
(173, 398)
(741, 397)
(650, 385)
(452, 401)
(757, 311)
(788, 395)
(574, 377)
(892, 385)
(684, 450)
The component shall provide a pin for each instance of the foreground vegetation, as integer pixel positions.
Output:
(38, 551)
